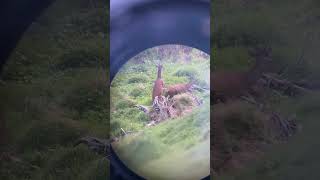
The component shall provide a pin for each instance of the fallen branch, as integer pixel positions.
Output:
(99, 146)
(285, 86)
(200, 88)
(280, 128)
(123, 131)
(286, 127)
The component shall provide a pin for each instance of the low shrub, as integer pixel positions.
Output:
(138, 79)
(138, 91)
(189, 72)
(124, 103)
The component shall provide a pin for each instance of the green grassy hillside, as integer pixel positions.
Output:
(53, 91)
(291, 29)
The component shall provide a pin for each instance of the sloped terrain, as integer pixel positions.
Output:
(53, 91)
(290, 29)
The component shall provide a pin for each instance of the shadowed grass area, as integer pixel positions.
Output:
(296, 159)
(53, 91)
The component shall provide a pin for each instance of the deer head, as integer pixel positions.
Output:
(159, 67)
(158, 84)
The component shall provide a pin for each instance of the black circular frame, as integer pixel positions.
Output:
(151, 23)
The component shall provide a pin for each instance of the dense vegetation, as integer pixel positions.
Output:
(149, 150)
(291, 29)
(53, 91)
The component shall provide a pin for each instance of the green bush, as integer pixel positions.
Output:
(138, 79)
(189, 72)
(141, 69)
(142, 117)
(183, 102)
(137, 92)
(124, 103)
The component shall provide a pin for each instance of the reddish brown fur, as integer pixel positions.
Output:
(178, 89)
(234, 84)
(158, 84)
(229, 84)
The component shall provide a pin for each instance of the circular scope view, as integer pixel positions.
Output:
(160, 113)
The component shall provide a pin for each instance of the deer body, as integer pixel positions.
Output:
(158, 84)
(178, 89)
(228, 85)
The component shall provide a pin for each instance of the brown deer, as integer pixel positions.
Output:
(158, 84)
(178, 89)
(228, 85)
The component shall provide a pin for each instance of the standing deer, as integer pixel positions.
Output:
(158, 84)
(228, 85)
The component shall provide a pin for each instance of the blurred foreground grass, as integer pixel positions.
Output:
(291, 29)
(53, 92)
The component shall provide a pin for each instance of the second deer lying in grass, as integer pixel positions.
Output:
(178, 89)
(228, 85)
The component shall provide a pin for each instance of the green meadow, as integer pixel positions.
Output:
(53, 91)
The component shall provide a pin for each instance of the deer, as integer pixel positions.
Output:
(158, 84)
(178, 89)
(229, 85)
